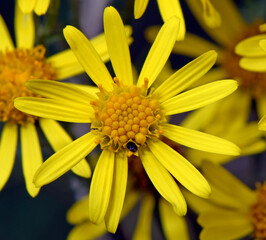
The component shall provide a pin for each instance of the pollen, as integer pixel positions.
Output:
(254, 83)
(128, 117)
(17, 67)
(258, 213)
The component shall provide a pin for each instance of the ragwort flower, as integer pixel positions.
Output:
(233, 29)
(127, 119)
(17, 66)
(233, 210)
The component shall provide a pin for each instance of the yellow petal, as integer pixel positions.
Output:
(210, 15)
(228, 183)
(232, 23)
(163, 182)
(143, 228)
(24, 29)
(225, 225)
(117, 46)
(87, 231)
(180, 168)
(6, 40)
(8, 146)
(41, 7)
(263, 27)
(31, 156)
(64, 159)
(170, 8)
(254, 64)
(185, 76)
(78, 212)
(60, 91)
(49, 108)
(59, 138)
(250, 47)
(262, 124)
(174, 226)
(114, 210)
(262, 44)
(199, 140)
(26, 6)
(140, 7)
(88, 57)
(159, 52)
(261, 109)
(258, 146)
(101, 186)
(199, 97)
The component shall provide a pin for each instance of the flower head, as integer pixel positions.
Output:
(128, 119)
(18, 65)
(233, 210)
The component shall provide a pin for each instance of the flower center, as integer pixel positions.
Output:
(126, 117)
(253, 82)
(258, 213)
(17, 67)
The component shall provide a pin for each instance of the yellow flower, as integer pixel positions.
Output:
(232, 30)
(127, 119)
(213, 119)
(18, 65)
(169, 8)
(253, 52)
(233, 209)
(139, 189)
(38, 6)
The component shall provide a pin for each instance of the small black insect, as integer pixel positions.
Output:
(132, 147)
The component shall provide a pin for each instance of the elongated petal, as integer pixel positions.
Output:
(170, 8)
(250, 47)
(163, 182)
(54, 109)
(87, 231)
(118, 192)
(41, 7)
(6, 40)
(64, 159)
(199, 97)
(232, 23)
(210, 15)
(59, 138)
(174, 226)
(160, 51)
(88, 57)
(117, 46)
(199, 140)
(255, 64)
(225, 225)
(31, 156)
(180, 168)
(78, 212)
(24, 29)
(143, 228)
(262, 124)
(140, 7)
(228, 183)
(26, 6)
(8, 146)
(185, 76)
(60, 91)
(101, 186)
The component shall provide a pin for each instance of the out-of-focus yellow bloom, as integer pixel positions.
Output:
(233, 209)
(128, 119)
(169, 8)
(38, 6)
(232, 30)
(18, 65)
